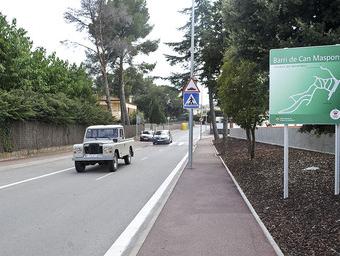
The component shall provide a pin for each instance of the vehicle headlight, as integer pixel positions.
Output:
(78, 150)
(107, 150)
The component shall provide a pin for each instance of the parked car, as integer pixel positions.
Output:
(162, 137)
(146, 136)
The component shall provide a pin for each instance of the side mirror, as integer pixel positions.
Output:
(115, 140)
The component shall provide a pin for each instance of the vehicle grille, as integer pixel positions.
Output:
(93, 148)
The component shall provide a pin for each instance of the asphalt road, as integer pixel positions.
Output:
(47, 208)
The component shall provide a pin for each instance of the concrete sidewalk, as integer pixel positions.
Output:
(205, 215)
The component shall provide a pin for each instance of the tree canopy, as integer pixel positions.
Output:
(38, 86)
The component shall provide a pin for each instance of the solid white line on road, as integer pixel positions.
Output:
(123, 241)
(144, 158)
(180, 143)
(35, 178)
(102, 177)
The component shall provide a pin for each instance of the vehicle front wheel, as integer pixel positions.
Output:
(113, 165)
(80, 167)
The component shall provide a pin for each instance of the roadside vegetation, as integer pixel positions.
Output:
(232, 43)
(35, 86)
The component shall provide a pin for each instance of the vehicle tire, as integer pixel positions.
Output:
(113, 165)
(127, 159)
(132, 153)
(80, 167)
(154, 143)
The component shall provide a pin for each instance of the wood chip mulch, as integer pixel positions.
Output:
(308, 222)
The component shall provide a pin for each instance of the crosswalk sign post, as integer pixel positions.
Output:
(191, 101)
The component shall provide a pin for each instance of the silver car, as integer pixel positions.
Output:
(146, 135)
(162, 137)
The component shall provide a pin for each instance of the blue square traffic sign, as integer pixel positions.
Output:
(191, 100)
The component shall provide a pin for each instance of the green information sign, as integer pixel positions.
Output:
(304, 85)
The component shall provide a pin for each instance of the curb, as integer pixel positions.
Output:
(252, 210)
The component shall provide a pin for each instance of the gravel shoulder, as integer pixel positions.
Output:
(308, 222)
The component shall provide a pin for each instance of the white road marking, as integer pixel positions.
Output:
(180, 143)
(144, 158)
(35, 178)
(102, 177)
(123, 241)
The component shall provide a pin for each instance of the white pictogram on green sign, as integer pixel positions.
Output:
(329, 84)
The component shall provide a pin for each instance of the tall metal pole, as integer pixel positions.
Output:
(285, 163)
(337, 158)
(191, 115)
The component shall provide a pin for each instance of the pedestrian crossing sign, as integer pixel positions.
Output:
(191, 100)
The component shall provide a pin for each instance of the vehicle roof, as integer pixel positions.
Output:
(105, 126)
(163, 131)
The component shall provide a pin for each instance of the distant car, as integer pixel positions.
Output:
(146, 136)
(162, 137)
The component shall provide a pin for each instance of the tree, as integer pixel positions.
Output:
(209, 49)
(243, 96)
(37, 86)
(156, 115)
(98, 20)
(115, 28)
(128, 43)
(15, 55)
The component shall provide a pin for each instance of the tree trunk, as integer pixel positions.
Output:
(248, 133)
(225, 132)
(253, 143)
(212, 114)
(124, 113)
(107, 89)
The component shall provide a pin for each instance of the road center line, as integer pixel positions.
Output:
(35, 178)
(102, 177)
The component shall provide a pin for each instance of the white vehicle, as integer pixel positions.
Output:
(103, 144)
(146, 136)
(162, 137)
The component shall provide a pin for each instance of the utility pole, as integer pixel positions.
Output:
(191, 115)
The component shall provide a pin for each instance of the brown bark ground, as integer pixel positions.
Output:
(308, 222)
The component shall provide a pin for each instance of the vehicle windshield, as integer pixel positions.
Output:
(102, 133)
(161, 133)
(146, 132)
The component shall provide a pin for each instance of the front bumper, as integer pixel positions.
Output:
(166, 141)
(145, 139)
(93, 158)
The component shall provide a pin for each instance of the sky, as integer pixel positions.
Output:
(44, 22)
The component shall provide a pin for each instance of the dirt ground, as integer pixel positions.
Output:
(308, 222)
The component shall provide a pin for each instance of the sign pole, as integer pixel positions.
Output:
(285, 157)
(191, 115)
(337, 158)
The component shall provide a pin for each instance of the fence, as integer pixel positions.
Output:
(34, 136)
(307, 141)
